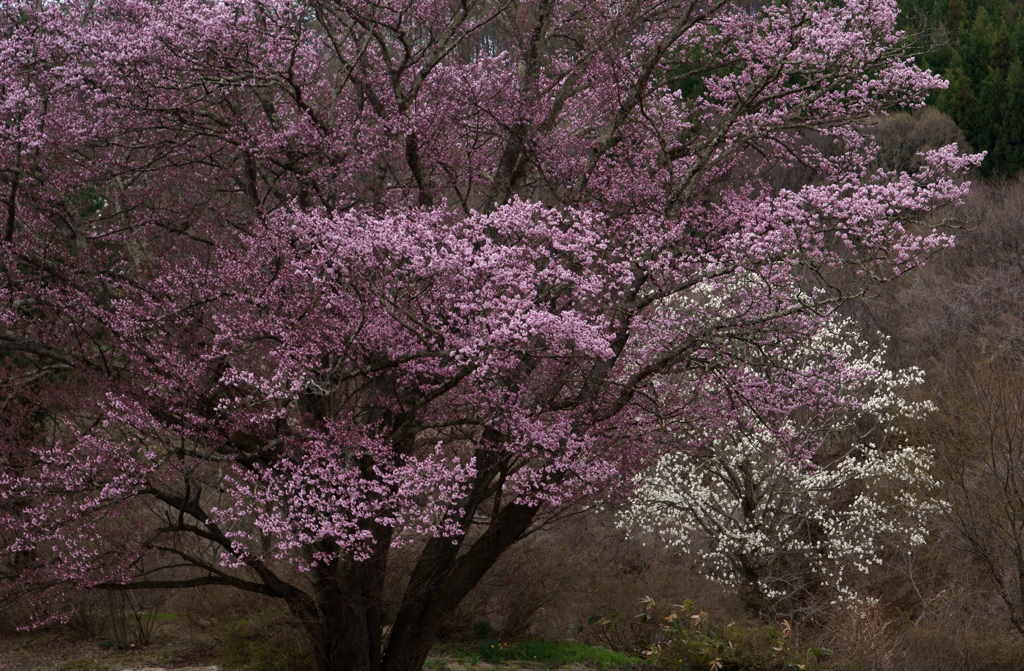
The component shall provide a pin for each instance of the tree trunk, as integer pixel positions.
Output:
(440, 581)
(343, 644)
(345, 618)
(750, 592)
(343, 633)
(345, 621)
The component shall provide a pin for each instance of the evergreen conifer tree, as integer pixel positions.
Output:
(1008, 153)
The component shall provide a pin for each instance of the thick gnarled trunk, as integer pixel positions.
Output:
(345, 622)
(344, 618)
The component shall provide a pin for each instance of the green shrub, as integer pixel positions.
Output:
(734, 649)
(482, 629)
(491, 651)
(691, 642)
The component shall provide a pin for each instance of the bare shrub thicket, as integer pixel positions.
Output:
(582, 578)
(967, 299)
(961, 318)
(903, 135)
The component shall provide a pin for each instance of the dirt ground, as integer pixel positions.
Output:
(174, 649)
(62, 651)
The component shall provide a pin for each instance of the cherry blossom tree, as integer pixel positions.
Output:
(761, 514)
(289, 284)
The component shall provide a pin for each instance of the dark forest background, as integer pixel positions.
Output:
(978, 45)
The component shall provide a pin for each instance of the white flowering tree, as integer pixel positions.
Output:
(779, 504)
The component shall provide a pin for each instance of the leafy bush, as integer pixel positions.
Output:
(691, 642)
(482, 629)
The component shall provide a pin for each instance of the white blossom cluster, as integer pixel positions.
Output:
(761, 519)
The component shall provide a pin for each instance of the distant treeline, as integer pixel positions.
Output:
(978, 45)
